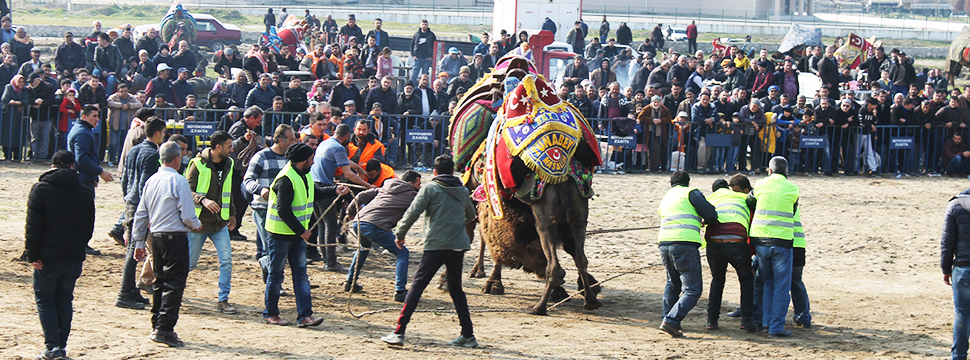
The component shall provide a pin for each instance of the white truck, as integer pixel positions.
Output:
(516, 15)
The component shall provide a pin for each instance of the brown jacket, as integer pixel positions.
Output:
(210, 222)
(645, 119)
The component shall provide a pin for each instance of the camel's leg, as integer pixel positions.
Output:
(547, 225)
(494, 284)
(577, 222)
(478, 271)
(443, 280)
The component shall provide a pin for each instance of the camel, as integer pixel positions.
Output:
(531, 229)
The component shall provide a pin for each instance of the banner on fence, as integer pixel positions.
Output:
(813, 142)
(420, 136)
(629, 140)
(902, 143)
(718, 140)
(192, 128)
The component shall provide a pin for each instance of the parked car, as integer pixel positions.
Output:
(675, 33)
(210, 32)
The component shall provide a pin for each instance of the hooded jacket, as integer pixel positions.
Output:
(60, 217)
(385, 206)
(447, 208)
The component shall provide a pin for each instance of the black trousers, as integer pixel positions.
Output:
(749, 140)
(431, 261)
(131, 266)
(719, 255)
(170, 260)
(692, 45)
(239, 199)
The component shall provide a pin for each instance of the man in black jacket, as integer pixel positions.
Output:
(141, 163)
(623, 34)
(422, 45)
(68, 56)
(107, 61)
(955, 261)
(148, 43)
(60, 221)
(383, 40)
(828, 71)
(269, 19)
(352, 30)
(294, 97)
(346, 90)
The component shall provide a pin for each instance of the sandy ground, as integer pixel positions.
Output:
(872, 274)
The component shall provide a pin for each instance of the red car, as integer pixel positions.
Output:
(210, 32)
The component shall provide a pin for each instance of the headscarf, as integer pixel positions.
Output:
(14, 81)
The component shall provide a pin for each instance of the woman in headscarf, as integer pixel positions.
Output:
(21, 45)
(319, 92)
(13, 102)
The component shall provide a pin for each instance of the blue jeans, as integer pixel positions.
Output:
(958, 166)
(717, 158)
(759, 294)
(223, 249)
(730, 158)
(262, 238)
(775, 266)
(116, 137)
(683, 265)
(961, 311)
(111, 80)
(421, 66)
(54, 292)
(799, 297)
(279, 251)
(368, 234)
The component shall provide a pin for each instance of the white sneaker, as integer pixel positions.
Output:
(462, 341)
(393, 339)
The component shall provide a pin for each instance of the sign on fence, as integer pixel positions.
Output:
(629, 140)
(420, 136)
(901, 143)
(193, 128)
(718, 140)
(813, 142)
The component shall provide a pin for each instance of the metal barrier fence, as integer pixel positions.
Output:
(33, 134)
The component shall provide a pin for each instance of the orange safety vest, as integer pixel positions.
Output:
(340, 65)
(387, 172)
(368, 153)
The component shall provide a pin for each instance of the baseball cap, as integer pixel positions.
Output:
(181, 70)
(682, 114)
(163, 66)
(453, 50)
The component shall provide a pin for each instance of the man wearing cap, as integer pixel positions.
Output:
(149, 43)
(463, 80)
(228, 60)
(290, 198)
(772, 99)
(59, 224)
(32, 65)
(902, 73)
(69, 55)
(422, 44)
(575, 72)
(452, 63)
(160, 85)
(351, 29)
(262, 170)
(107, 61)
(181, 87)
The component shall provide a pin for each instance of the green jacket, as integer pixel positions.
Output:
(447, 208)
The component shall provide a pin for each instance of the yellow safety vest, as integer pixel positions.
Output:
(678, 218)
(731, 207)
(302, 203)
(773, 217)
(202, 187)
(799, 234)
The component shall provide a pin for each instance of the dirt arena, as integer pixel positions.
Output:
(873, 278)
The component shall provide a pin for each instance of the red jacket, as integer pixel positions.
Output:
(691, 31)
(65, 106)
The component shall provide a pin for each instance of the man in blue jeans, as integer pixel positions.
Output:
(288, 222)
(381, 209)
(60, 221)
(681, 211)
(774, 200)
(210, 178)
(422, 51)
(955, 260)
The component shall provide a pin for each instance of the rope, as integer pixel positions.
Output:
(608, 231)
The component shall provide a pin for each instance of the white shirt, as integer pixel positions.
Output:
(425, 107)
(166, 204)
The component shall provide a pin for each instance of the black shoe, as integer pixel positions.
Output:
(400, 296)
(335, 268)
(734, 314)
(90, 251)
(127, 302)
(748, 326)
(136, 296)
(357, 288)
(237, 237)
(117, 237)
(784, 334)
(671, 329)
(167, 338)
(807, 325)
(712, 325)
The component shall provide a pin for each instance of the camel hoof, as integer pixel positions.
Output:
(476, 274)
(558, 294)
(533, 311)
(592, 305)
(443, 286)
(595, 290)
(494, 288)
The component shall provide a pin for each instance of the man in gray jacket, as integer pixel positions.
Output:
(380, 210)
(448, 209)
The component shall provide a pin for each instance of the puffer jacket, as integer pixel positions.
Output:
(955, 243)
(60, 217)
(385, 206)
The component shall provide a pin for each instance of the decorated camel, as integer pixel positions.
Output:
(959, 55)
(528, 157)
